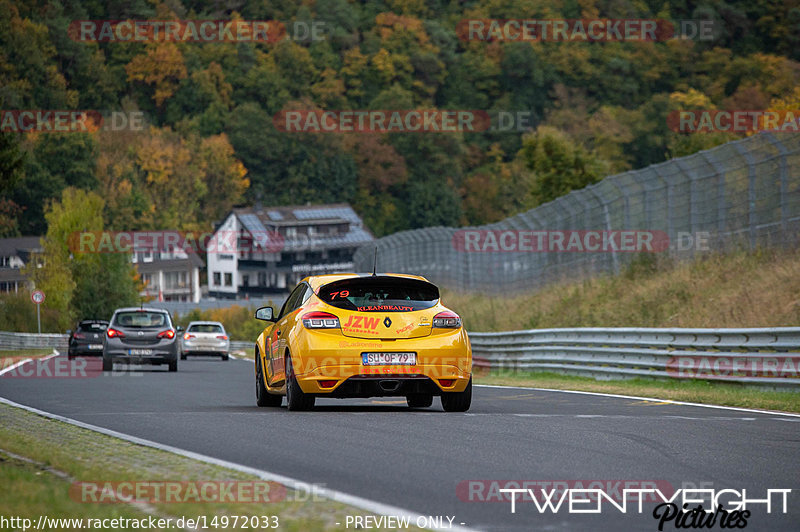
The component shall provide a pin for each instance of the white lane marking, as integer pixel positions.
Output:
(623, 416)
(25, 361)
(292, 483)
(651, 399)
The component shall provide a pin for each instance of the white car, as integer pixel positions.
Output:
(206, 338)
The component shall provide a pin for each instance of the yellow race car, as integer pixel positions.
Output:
(352, 335)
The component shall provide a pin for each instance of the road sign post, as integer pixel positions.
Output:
(37, 296)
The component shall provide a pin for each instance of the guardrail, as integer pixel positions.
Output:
(765, 356)
(237, 345)
(768, 356)
(16, 341)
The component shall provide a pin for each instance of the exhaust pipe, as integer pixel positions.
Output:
(389, 385)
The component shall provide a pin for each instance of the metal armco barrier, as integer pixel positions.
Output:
(769, 356)
(247, 347)
(16, 341)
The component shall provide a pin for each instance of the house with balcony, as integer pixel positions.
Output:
(258, 251)
(172, 275)
(15, 253)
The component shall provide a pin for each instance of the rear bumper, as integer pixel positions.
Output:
(444, 364)
(84, 350)
(159, 353)
(155, 358)
(221, 348)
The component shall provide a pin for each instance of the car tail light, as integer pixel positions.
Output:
(447, 320)
(222, 336)
(320, 320)
(446, 382)
(188, 336)
(79, 335)
(169, 333)
(113, 333)
(327, 384)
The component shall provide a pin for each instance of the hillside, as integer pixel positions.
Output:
(760, 289)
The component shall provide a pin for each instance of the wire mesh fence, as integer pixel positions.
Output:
(744, 194)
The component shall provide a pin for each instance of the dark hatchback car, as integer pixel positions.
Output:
(87, 338)
(141, 336)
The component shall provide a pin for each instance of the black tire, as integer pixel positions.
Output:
(419, 400)
(108, 364)
(224, 356)
(183, 357)
(173, 365)
(263, 397)
(296, 399)
(458, 401)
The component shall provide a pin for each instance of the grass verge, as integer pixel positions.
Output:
(26, 353)
(739, 289)
(694, 391)
(31, 490)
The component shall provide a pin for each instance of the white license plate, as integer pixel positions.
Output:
(388, 359)
(140, 351)
(95, 346)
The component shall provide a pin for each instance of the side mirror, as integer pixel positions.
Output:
(264, 314)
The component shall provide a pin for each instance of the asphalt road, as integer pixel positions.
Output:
(420, 460)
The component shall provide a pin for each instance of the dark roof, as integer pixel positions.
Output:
(260, 220)
(14, 246)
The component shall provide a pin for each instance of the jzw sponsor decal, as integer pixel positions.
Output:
(361, 324)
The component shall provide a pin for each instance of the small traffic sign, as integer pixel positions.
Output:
(37, 296)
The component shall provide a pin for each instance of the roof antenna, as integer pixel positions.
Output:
(375, 263)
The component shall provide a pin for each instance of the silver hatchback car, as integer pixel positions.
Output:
(206, 338)
(141, 336)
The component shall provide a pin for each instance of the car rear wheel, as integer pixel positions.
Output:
(224, 356)
(296, 399)
(108, 364)
(419, 400)
(263, 397)
(458, 401)
(183, 357)
(173, 365)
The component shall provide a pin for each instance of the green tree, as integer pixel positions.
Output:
(559, 165)
(80, 285)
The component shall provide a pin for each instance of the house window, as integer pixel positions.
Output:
(217, 280)
(228, 279)
(4, 261)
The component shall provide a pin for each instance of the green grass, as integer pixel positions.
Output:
(29, 491)
(26, 353)
(695, 391)
(740, 289)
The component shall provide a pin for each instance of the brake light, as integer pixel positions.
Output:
(169, 333)
(188, 336)
(222, 337)
(113, 333)
(446, 383)
(327, 384)
(447, 320)
(320, 320)
(79, 335)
